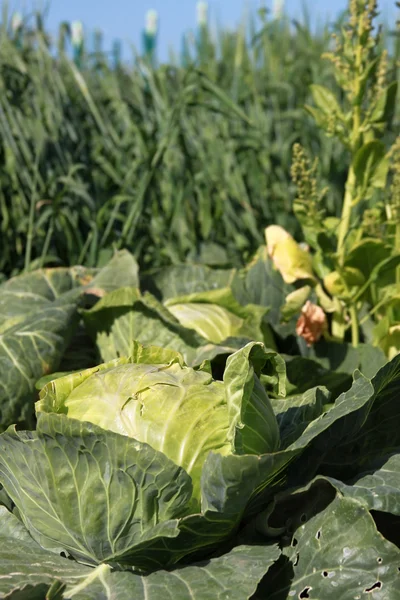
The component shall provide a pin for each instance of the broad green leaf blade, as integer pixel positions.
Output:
(326, 101)
(121, 271)
(260, 283)
(367, 254)
(294, 302)
(217, 316)
(253, 428)
(344, 358)
(124, 316)
(338, 425)
(385, 104)
(212, 322)
(12, 527)
(295, 413)
(321, 439)
(54, 474)
(30, 349)
(229, 484)
(28, 294)
(234, 575)
(182, 280)
(378, 488)
(37, 321)
(301, 458)
(360, 427)
(338, 554)
(304, 374)
(370, 167)
(29, 572)
(379, 434)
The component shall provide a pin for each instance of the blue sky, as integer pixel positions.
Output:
(124, 19)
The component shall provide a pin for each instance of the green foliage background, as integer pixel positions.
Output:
(164, 159)
(167, 160)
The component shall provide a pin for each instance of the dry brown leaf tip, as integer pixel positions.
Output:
(312, 323)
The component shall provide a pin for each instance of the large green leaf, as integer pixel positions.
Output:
(217, 316)
(121, 271)
(379, 434)
(335, 426)
(326, 101)
(361, 426)
(182, 280)
(367, 254)
(126, 315)
(253, 428)
(296, 412)
(38, 317)
(371, 167)
(27, 570)
(95, 494)
(328, 440)
(300, 459)
(260, 283)
(344, 358)
(27, 295)
(337, 553)
(305, 373)
(378, 488)
(30, 293)
(29, 349)
(306, 443)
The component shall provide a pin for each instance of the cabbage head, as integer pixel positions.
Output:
(155, 398)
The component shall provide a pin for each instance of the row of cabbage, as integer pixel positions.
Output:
(185, 433)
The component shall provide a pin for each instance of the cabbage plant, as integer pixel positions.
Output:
(144, 461)
(145, 478)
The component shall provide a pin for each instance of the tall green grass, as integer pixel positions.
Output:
(189, 159)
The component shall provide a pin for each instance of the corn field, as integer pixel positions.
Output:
(188, 160)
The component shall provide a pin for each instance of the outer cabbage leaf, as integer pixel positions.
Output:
(54, 474)
(337, 553)
(359, 427)
(378, 487)
(379, 433)
(126, 315)
(30, 293)
(26, 569)
(343, 358)
(304, 374)
(38, 316)
(122, 270)
(295, 413)
(260, 283)
(253, 428)
(92, 493)
(180, 280)
(217, 316)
